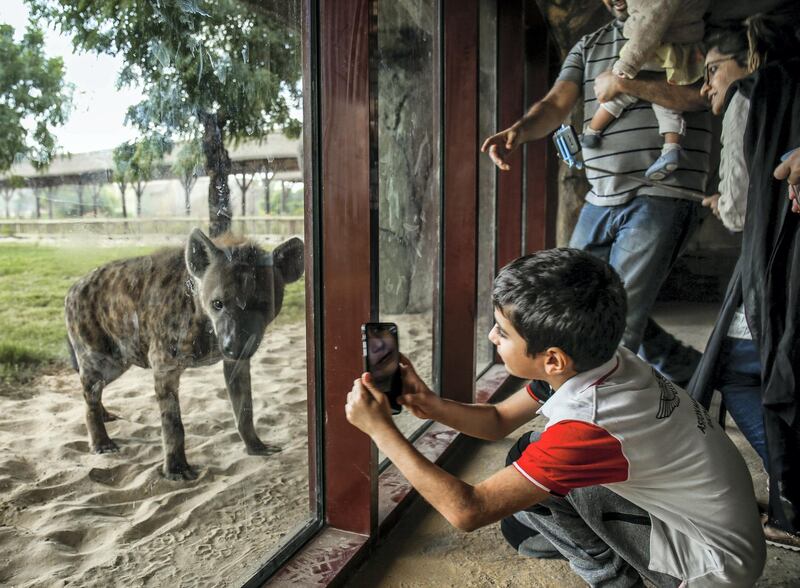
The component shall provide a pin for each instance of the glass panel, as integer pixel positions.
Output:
(487, 182)
(408, 85)
(165, 116)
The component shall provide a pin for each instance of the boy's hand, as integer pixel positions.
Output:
(416, 396)
(367, 408)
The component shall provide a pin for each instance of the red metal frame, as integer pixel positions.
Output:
(460, 188)
(350, 458)
(309, 208)
(541, 195)
(510, 107)
(351, 480)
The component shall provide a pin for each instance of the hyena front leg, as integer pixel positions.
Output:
(93, 384)
(97, 370)
(237, 380)
(175, 465)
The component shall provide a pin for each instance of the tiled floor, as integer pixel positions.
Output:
(423, 550)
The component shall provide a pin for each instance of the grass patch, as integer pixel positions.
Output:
(35, 279)
(33, 282)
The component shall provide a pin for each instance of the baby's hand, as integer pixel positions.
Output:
(624, 70)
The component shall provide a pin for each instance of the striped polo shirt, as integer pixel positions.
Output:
(631, 143)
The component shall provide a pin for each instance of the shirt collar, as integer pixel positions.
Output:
(580, 382)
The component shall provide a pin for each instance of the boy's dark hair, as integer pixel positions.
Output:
(564, 298)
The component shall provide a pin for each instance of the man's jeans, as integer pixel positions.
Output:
(641, 239)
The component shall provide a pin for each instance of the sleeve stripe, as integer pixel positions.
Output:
(532, 395)
(574, 454)
(534, 481)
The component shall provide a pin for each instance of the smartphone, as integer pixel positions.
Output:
(382, 359)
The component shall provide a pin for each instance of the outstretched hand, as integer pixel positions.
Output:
(416, 396)
(367, 408)
(500, 146)
(789, 170)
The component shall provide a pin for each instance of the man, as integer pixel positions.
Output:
(640, 230)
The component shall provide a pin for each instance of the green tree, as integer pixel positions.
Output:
(215, 70)
(138, 162)
(33, 98)
(8, 186)
(121, 158)
(187, 165)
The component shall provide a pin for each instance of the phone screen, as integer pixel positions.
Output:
(382, 359)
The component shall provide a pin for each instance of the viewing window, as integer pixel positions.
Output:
(154, 118)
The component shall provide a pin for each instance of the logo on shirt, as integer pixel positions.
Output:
(669, 396)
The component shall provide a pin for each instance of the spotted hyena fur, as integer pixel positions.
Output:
(175, 309)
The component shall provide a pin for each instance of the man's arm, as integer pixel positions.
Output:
(542, 119)
(652, 88)
(484, 421)
(465, 506)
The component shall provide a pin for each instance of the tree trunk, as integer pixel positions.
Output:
(283, 197)
(95, 199)
(38, 203)
(267, 184)
(218, 168)
(80, 200)
(187, 202)
(50, 202)
(139, 189)
(187, 181)
(122, 187)
(244, 186)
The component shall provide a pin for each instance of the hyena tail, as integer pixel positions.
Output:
(73, 359)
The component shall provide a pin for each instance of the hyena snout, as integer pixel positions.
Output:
(241, 342)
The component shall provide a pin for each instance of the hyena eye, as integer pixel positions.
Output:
(217, 304)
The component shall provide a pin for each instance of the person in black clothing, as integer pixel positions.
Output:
(766, 281)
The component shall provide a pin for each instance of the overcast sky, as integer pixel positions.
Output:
(97, 121)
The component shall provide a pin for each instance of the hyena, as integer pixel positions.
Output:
(175, 309)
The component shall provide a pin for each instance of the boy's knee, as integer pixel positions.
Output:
(515, 532)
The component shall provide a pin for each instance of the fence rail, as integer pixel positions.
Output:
(137, 227)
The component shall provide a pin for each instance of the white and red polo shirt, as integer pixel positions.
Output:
(624, 426)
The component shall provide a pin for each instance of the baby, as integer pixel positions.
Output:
(663, 35)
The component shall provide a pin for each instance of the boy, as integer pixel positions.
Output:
(629, 478)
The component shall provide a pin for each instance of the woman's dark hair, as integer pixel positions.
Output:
(758, 39)
(564, 298)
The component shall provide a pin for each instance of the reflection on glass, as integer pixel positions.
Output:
(408, 161)
(487, 182)
(179, 454)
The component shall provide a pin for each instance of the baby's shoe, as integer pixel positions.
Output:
(664, 165)
(591, 140)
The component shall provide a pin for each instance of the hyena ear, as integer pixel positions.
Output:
(200, 252)
(288, 258)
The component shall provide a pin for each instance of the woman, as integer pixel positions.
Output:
(763, 371)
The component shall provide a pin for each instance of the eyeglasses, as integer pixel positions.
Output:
(712, 67)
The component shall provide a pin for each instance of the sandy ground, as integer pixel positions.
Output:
(69, 517)
(72, 518)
